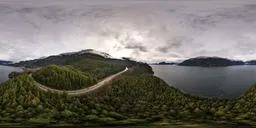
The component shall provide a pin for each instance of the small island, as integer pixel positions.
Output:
(210, 62)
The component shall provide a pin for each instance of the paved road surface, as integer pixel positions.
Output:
(81, 91)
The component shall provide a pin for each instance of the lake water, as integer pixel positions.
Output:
(222, 82)
(5, 70)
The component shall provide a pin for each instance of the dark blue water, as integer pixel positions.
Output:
(222, 82)
(5, 70)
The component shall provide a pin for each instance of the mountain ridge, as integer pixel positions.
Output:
(61, 58)
(91, 51)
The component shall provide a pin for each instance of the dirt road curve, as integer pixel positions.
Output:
(81, 91)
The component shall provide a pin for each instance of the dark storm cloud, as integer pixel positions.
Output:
(175, 43)
(163, 49)
(137, 46)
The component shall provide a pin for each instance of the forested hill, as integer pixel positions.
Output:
(76, 70)
(137, 97)
(64, 78)
(88, 62)
(210, 62)
(66, 58)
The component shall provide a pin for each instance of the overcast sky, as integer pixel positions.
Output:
(148, 31)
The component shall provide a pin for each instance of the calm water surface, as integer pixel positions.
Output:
(223, 82)
(5, 70)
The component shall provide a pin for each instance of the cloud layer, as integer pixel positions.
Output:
(145, 30)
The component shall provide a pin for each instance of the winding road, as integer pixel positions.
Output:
(81, 91)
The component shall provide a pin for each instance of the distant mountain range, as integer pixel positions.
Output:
(197, 61)
(4, 62)
(165, 63)
(251, 62)
(211, 62)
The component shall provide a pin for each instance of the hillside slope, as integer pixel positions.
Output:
(63, 78)
(66, 58)
(136, 97)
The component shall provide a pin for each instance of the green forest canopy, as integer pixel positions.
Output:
(136, 97)
(64, 78)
